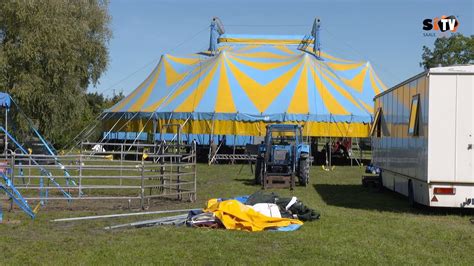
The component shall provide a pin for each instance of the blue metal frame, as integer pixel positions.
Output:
(50, 150)
(43, 170)
(16, 196)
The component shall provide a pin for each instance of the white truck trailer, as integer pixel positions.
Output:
(422, 137)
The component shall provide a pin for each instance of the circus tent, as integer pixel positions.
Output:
(252, 80)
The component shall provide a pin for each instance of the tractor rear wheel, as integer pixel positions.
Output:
(304, 172)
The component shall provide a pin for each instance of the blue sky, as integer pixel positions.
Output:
(387, 33)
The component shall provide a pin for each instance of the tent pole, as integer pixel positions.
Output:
(155, 122)
(209, 153)
(233, 151)
(234, 130)
(211, 136)
(330, 142)
(360, 150)
(6, 129)
(330, 152)
(307, 130)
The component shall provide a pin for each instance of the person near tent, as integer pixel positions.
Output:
(340, 147)
(336, 147)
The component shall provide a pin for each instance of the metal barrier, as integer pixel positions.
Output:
(166, 171)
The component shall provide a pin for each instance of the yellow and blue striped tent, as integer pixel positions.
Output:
(250, 82)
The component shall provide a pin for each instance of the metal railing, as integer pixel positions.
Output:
(147, 172)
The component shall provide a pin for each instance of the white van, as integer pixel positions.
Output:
(422, 137)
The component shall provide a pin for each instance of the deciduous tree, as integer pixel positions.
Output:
(457, 49)
(50, 52)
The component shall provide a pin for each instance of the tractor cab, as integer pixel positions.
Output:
(282, 156)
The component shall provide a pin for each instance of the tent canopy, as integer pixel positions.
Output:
(253, 80)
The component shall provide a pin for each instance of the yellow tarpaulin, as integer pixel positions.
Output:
(237, 216)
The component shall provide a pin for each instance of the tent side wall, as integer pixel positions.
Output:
(240, 128)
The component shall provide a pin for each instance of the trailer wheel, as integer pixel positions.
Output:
(380, 183)
(411, 194)
(364, 182)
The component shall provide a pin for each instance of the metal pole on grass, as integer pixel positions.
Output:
(121, 163)
(12, 177)
(80, 174)
(118, 215)
(142, 189)
(195, 170)
(6, 129)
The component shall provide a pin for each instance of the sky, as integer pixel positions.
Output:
(388, 34)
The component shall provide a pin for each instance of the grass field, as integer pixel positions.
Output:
(357, 225)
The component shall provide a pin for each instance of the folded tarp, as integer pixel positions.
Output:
(267, 209)
(237, 216)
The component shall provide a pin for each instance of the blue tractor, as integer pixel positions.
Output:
(282, 157)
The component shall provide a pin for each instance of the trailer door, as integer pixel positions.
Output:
(464, 117)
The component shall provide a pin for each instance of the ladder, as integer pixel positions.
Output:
(355, 149)
(305, 42)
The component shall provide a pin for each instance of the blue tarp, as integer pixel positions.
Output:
(5, 100)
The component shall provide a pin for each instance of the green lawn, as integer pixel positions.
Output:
(357, 225)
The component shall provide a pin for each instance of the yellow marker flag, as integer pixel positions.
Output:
(36, 209)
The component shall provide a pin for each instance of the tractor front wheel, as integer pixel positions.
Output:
(304, 172)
